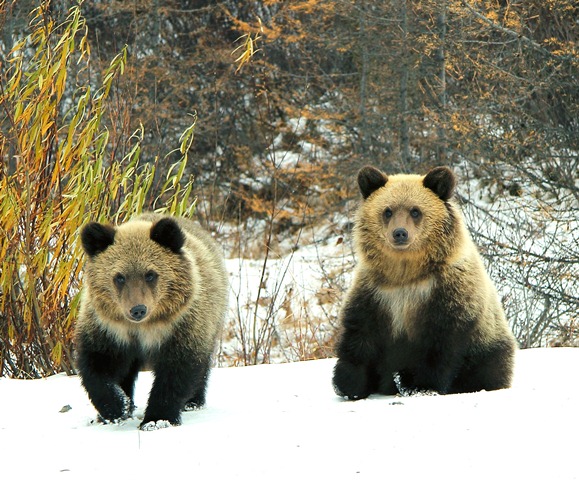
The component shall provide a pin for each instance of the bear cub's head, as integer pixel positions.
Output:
(134, 271)
(405, 213)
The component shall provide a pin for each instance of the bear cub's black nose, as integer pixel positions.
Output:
(400, 235)
(138, 312)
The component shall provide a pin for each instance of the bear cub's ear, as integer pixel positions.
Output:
(442, 181)
(96, 238)
(370, 179)
(168, 234)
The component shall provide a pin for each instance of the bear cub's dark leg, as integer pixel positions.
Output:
(490, 370)
(109, 384)
(175, 390)
(128, 384)
(356, 382)
(200, 380)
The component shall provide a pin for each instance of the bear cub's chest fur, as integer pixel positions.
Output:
(401, 304)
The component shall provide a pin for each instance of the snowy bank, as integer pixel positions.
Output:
(284, 421)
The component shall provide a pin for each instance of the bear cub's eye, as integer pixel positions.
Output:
(387, 213)
(415, 213)
(151, 276)
(119, 280)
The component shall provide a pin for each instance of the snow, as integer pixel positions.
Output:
(284, 421)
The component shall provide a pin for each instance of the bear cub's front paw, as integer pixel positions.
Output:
(118, 410)
(155, 425)
(350, 381)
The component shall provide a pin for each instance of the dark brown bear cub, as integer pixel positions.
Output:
(421, 304)
(155, 294)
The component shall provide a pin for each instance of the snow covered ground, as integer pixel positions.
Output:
(284, 421)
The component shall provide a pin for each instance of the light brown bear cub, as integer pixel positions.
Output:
(421, 305)
(155, 294)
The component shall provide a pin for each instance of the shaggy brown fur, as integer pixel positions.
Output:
(155, 293)
(422, 304)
